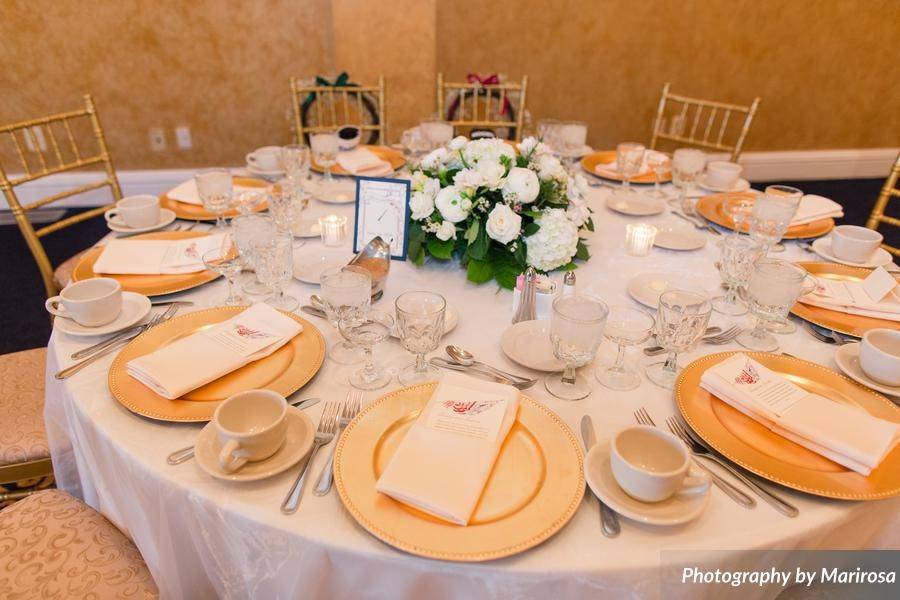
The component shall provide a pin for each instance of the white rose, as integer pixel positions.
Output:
(527, 145)
(458, 143)
(446, 231)
(577, 211)
(421, 205)
(434, 159)
(503, 224)
(554, 244)
(432, 187)
(549, 167)
(521, 186)
(491, 173)
(576, 188)
(450, 204)
(468, 179)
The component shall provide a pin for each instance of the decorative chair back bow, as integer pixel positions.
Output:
(492, 79)
(322, 105)
(483, 102)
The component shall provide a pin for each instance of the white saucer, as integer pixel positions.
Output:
(340, 191)
(647, 288)
(742, 185)
(166, 217)
(265, 174)
(679, 238)
(673, 511)
(528, 344)
(307, 227)
(636, 205)
(297, 443)
(847, 358)
(451, 320)
(308, 266)
(134, 308)
(880, 258)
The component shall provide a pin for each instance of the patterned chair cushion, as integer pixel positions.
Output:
(22, 434)
(55, 546)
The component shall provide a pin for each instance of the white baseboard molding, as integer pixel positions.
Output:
(758, 166)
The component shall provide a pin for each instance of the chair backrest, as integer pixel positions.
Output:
(683, 124)
(475, 104)
(887, 192)
(58, 158)
(320, 108)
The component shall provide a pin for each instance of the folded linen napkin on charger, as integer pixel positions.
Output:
(207, 355)
(361, 161)
(187, 192)
(812, 208)
(443, 463)
(156, 257)
(877, 296)
(611, 169)
(845, 434)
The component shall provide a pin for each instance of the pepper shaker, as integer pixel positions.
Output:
(569, 284)
(526, 310)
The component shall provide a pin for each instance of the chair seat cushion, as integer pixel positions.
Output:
(22, 434)
(63, 273)
(55, 546)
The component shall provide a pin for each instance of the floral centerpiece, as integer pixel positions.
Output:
(497, 210)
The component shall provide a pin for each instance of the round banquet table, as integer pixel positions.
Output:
(202, 537)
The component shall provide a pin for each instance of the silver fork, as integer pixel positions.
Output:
(716, 340)
(699, 448)
(351, 409)
(129, 333)
(733, 492)
(324, 434)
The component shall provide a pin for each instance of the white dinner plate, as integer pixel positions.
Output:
(451, 320)
(647, 288)
(742, 185)
(880, 258)
(636, 204)
(847, 358)
(297, 443)
(528, 344)
(134, 308)
(309, 265)
(166, 217)
(679, 238)
(675, 510)
(339, 191)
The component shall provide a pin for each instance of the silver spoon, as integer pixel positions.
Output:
(467, 359)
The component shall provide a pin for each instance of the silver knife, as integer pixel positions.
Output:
(609, 520)
(179, 456)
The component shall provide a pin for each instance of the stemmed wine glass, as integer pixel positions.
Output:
(681, 319)
(346, 294)
(773, 288)
(275, 266)
(295, 160)
(772, 214)
(739, 256)
(740, 209)
(325, 150)
(625, 326)
(365, 331)
(659, 163)
(576, 331)
(629, 158)
(687, 164)
(226, 261)
(420, 324)
(286, 204)
(215, 186)
(437, 133)
(246, 201)
(572, 140)
(248, 230)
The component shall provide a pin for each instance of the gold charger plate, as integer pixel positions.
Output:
(534, 489)
(395, 157)
(855, 325)
(589, 163)
(195, 212)
(754, 447)
(712, 208)
(148, 285)
(284, 371)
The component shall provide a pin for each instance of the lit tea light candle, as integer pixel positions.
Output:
(639, 238)
(333, 229)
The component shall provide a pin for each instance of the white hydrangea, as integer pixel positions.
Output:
(435, 159)
(577, 211)
(421, 205)
(576, 187)
(452, 205)
(503, 224)
(527, 145)
(549, 167)
(491, 173)
(489, 149)
(468, 179)
(446, 231)
(555, 243)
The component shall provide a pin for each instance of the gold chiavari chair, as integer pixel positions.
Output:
(887, 192)
(488, 104)
(683, 124)
(319, 108)
(58, 158)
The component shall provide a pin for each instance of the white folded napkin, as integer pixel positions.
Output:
(156, 257)
(361, 161)
(843, 433)
(443, 463)
(812, 208)
(611, 169)
(207, 355)
(187, 192)
(877, 296)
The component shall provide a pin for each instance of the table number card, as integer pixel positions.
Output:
(382, 209)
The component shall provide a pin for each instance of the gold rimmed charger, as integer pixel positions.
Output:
(712, 208)
(196, 212)
(395, 157)
(754, 447)
(590, 163)
(148, 285)
(284, 371)
(534, 489)
(855, 325)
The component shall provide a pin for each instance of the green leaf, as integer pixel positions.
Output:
(472, 231)
(440, 249)
(534, 214)
(589, 224)
(479, 248)
(581, 251)
(506, 279)
(531, 229)
(479, 271)
(520, 255)
(419, 257)
(568, 267)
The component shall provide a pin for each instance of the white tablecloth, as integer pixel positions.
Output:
(201, 537)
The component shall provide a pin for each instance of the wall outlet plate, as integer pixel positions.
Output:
(183, 137)
(157, 139)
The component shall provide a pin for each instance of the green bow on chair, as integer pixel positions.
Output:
(342, 80)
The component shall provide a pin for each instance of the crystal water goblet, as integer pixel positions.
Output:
(420, 324)
(247, 201)
(687, 164)
(739, 256)
(740, 210)
(658, 163)
(365, 331)
(576, 332)
(625, 326)
(681, 319)
(275, 266)
(286, 204)
(772, 214)
(295, 160)
(346, 294)
(629, 159)
(773, 289)
(572, 140)
(226, 261)
(325, 150)
(437, 132)
(215, 187)
(248, 231)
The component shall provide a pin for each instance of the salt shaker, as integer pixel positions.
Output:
(526, 310)
(569, 284)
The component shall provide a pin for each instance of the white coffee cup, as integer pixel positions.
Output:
(854, 243)
(91, 303)
(879, 355)
(134, 212)
(723, 174)
(267, 158)
(251, 425)
(651, 465)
